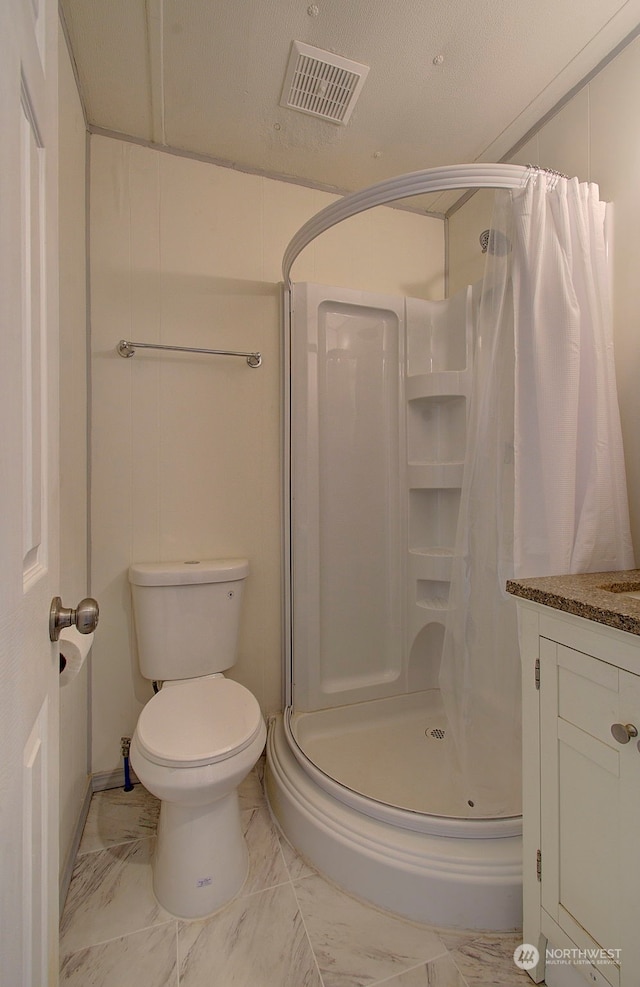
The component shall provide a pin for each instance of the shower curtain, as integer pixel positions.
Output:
(544, 489)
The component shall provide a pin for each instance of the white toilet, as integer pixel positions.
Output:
(200, 735)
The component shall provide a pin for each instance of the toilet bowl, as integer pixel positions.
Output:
(197, 738)
(195, 742)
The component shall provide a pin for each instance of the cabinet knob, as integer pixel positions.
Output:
(623, 732)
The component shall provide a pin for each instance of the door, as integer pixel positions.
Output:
(28, 519)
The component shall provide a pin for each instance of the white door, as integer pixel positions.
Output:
(29, 484)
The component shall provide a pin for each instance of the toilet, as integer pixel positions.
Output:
(200, 735)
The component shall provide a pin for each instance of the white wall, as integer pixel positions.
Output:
(74, 727)
(186, 450)
(596, 136)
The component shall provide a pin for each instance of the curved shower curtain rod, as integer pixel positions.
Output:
(463, 176)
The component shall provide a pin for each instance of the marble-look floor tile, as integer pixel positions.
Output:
(357, 945)
(266, 864)
(438, 973)
(110, 895)
(256, 941)
(147, 958)
(487, 961)
(457, 938)
(114, 934)
(295, 864)
(250, 793)
(116, 816)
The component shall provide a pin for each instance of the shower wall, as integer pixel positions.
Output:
(378, 423)
(347, 471)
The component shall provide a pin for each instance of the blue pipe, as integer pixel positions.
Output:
(125, 744)
(128, 787)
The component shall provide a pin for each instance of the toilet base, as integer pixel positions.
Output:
(201, 858)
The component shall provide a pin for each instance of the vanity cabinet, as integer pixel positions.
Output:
(581, 796)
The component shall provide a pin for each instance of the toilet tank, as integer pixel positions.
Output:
(187, 616)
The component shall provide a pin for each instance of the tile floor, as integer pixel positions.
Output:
(287, 928)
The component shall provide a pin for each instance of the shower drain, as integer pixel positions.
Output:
(434, 733)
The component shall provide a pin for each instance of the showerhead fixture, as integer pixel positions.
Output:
(495, 242)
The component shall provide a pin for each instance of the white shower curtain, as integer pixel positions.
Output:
(544, 488)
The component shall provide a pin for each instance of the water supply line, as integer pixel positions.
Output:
(125, 744)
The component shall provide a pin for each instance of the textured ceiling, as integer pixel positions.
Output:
(450, 81)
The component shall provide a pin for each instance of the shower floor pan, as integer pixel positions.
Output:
(427, 859)
(398, 751)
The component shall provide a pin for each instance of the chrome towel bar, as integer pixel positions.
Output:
(126, 349)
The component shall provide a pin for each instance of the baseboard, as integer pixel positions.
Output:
(70, 860)
(99, 782)
(102, 780)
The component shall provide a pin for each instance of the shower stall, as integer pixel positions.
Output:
(363, 773)
(362, 769)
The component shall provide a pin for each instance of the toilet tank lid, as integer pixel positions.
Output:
(191, 571)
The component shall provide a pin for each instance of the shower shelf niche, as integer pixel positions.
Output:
(439, 476)
(439, 347)
(437, 429)
(434, 347)
(431, 564)
(432, 594)
(433, 516)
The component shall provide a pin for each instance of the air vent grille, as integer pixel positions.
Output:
(321, 83)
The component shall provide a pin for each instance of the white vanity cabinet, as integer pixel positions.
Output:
(581, 797)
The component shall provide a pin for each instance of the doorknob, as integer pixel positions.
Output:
(85, 617)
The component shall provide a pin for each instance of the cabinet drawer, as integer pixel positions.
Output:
(588, 693)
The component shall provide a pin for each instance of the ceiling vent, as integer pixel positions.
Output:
(321, 83)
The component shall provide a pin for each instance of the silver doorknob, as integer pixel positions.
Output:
(85, 617)
(623, 732)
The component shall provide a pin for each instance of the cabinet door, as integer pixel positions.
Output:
(590, 798)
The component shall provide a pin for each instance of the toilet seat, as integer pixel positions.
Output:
(198, 722)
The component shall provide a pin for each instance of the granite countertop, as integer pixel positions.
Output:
(595, 596)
